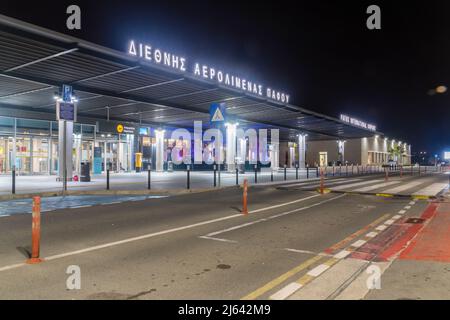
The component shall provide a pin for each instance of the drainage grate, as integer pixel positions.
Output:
(415, 220)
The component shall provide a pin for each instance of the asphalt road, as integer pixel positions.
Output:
(193, 246)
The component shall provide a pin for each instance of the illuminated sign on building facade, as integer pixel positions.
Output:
(358, 123)
(179, 63)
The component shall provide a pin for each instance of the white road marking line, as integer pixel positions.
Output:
(308, 252)
(286, 291)
(431, 190)
(284, 204)
(342, 254)
(312, 181)
(376, 186)
(218, 239)
(407, 207)
(372, 234)
(351, 185)
(396, 217)
(412, 203)
(13, 266)
(5, 215)
(146, 236)
(329, 183)
(85, 206)
(389, 222)
(358, 243)
(402, 211)
(272, 217)
(404, 187)
(321, 268)
(380, 228)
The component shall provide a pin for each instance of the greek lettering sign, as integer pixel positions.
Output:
(210, 73)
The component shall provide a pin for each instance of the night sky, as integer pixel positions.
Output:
(318, 51)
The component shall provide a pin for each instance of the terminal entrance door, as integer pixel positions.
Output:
(116, 155)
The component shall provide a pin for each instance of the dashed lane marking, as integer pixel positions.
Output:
(307, 252)
(277, 281)
(150, 235)
(218, 239)
(212, 234)
(358, 243)
(321, 268)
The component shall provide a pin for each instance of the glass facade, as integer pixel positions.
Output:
(31, 146)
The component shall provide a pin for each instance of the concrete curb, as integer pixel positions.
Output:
(172, 192)
(384, 195)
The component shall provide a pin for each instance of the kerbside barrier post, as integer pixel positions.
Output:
(107, 179)
(215, 175)
(244, 198)
(321, 181)
(149, 181)
(188, 182)
(256, 173)
(35, 231)
(13, 181)
(285, 173)
(237, 176)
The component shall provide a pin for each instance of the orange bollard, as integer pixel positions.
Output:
(321, 181)
(35, 231)
(244, 198)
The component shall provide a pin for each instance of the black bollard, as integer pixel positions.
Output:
(237, 176)
(215, 176)
(271, 175)
(285, 177)
(256, 173)
(107, 179)
(296, 172)
(188, 177)
(14, 181)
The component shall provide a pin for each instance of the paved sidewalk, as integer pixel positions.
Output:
(422, 270)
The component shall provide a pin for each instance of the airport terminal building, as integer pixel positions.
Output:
(63, 98)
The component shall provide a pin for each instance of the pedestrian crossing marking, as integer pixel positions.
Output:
(431, 190)
(355, 184)
(404, 187)
(376, 186)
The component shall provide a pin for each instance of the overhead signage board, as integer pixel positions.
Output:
(447, 155)
(358, 123)
(120, 128)
(66, 111)
(217, 113)
(210, 73)
(144, 131)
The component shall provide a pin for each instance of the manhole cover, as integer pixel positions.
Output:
(415, 220)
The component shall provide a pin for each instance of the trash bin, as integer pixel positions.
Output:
(85, 175)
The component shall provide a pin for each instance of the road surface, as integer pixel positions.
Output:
(294, 244)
